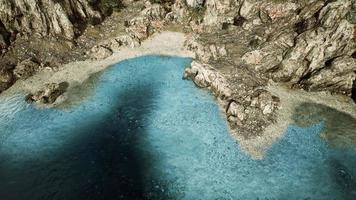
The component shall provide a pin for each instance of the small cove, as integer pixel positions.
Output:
(144, 133)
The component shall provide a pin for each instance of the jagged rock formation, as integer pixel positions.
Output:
(6, 78)
(151, 19)
(46, 17)
(250, 43)
(26, 69)
(49, 93)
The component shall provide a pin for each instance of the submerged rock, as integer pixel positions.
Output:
(48, 94)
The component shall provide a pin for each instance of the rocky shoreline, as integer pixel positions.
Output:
(243, 50)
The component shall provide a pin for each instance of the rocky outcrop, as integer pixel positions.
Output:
(248, 113)
(205, 53)
(316, 50)
(294, 42)
(321, 34)
(6, 78)
(26, 68)
(147, 22)
(47, 17)
(48, 94)
(251, 43)
(151, 19)
(338, 75)
(206, 76)
(100, 52)
(195, 3)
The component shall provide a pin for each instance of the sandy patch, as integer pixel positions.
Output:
(76, 73)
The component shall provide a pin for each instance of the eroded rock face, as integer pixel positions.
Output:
(338, 75)
(3, 44)
(26, 69)
(47, 17)
(147, 22)
(251, 43)
(316, 49)
(100, 52)
(195, 3)
(248, 112)
(48, 94)
(205, 76)
(6, 79)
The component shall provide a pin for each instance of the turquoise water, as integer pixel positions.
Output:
(144, 133)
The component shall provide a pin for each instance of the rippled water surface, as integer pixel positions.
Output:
(144, 133)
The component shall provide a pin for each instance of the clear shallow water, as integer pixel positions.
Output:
(145, 133)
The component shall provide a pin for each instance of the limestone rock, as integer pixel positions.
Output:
(218, 12)
(178, 11)
(315, 49)
(236, 110)
(205, 53)
(339, 76)
(49, 93)
(26, 68)
(3, 44)
(6, 79)
(265, 101)
(147, 22)
(100, 52)
(195, 3)
(205, 76)
(47, 17)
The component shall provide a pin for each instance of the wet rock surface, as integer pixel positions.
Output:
(48, 94)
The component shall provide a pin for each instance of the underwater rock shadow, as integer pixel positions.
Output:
(104, 161)
(339, 131)
(339, 127)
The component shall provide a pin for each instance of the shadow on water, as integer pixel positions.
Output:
(104, 161)
(339, 127)
(81, 91)
(339, 132)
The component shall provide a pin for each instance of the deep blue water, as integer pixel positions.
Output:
(144, 133)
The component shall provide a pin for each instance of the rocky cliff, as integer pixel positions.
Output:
(246, 45)
(45, 32)
(47, 17)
